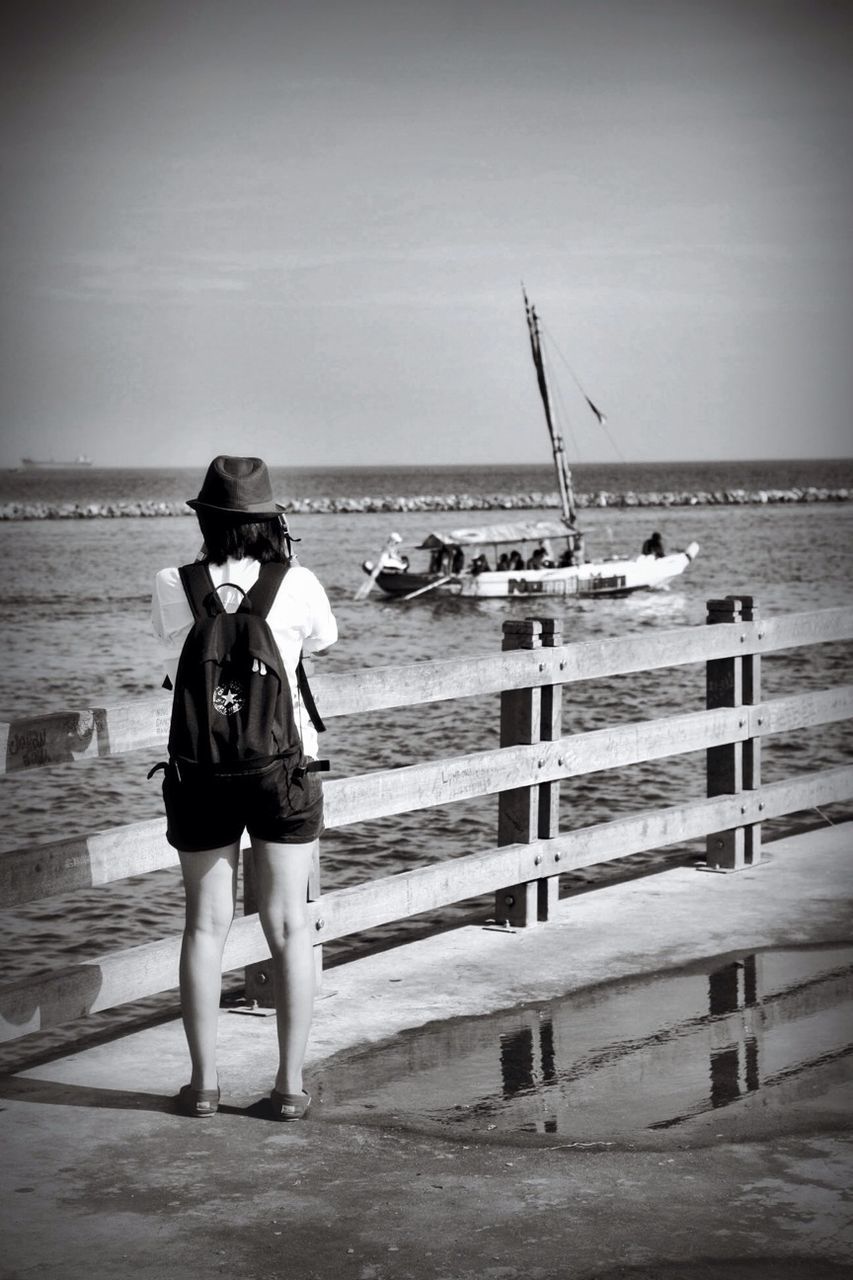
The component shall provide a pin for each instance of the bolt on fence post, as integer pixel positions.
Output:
(518, 808)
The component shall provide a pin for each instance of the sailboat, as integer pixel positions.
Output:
(523, 558)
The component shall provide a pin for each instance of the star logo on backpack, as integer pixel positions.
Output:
(229, 698)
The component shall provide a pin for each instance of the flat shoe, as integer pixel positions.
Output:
(198, 1102)
(289, 1106)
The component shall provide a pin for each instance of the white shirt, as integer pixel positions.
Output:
(300, 619)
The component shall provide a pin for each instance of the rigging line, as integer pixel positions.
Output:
(564, 415)
(653, 430)
(574, 376)
(619, 454)
(602, 419)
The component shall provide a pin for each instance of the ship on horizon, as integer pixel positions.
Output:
(80, 461)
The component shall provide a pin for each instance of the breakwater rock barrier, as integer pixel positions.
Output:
(435, 502)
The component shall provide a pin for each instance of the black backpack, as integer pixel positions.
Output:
(232, 712)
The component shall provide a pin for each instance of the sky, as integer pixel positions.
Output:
(300, 230)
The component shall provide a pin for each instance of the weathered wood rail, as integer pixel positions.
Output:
(524, 772)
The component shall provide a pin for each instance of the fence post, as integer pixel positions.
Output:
(313, 895)
(751, 681)
(551, 728)
(258, 979)
(735, 766)
(518, 809)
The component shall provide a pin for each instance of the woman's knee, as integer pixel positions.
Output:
(209, 914)
(210, 884)
(211, 919)
(286, 928)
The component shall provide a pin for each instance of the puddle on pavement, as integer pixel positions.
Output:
(760, 1035)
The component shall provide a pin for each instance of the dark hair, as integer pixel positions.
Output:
(225, 537)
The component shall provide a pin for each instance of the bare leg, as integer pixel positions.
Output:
(281, 877)
(210, 882)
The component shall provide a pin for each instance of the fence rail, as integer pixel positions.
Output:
(525, 772)
(58, 737)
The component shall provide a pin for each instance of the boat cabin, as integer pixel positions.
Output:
(534, 544)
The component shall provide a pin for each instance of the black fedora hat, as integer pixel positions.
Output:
(237, 487)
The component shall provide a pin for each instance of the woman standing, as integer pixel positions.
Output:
(281, 808)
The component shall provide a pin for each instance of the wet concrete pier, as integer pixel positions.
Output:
(102, 1179)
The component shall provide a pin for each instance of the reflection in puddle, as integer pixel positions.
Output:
(765, 1029)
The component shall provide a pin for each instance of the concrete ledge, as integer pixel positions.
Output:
(101, 1179)
(802, 893)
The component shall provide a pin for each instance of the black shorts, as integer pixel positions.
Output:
(205, 812)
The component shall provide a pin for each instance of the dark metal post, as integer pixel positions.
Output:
(518, 809)
(258, 978)
(551, 728)
(735, 766)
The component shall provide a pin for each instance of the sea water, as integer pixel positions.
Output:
(77, 635)
(149, 484)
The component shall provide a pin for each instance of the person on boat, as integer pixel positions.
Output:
(503, 563)
(458, 561)
(538, 560)
(243, 529)
(653, 546)
(515, 560)
(480, 564)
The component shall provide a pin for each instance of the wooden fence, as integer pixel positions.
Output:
(525, 771)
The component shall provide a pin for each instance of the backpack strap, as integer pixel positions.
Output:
(308, 699)
(260, 600)
(199, 589)
(265, 589)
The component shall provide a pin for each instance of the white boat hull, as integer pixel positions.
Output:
(598, 578)
(617, 577)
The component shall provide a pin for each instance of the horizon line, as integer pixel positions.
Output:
(435, 466)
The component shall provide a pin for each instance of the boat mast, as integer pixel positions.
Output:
(564, 475)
